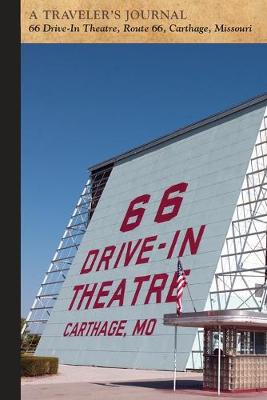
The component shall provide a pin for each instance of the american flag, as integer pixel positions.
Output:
(181, 283)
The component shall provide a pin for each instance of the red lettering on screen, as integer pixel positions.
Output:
(137, 252)
(74, 330)
(118, 294)
(76, 289)
(106, 256)
(131, 252)
(65, 333)
(157, 286)
(89, 326)
(150, 326)
(95, 328)
(102, 293)
(144, 327)
(93, 253)
(136, 213)
(120, 329)
(167, 201)
(103, 330)
(144, 249)
(87, 294)
(112, 328)
(173, 244)
(106, 297)
(119, 255)
(139, 280)
(83, 326)
(190, 239)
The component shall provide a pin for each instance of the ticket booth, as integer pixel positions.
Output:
(234, 349)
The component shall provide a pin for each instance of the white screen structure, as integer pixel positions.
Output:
(176, 199)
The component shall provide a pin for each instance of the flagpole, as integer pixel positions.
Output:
(265, 275)
(191, 298)
(174, 358)
(219, 363)
(180, 286)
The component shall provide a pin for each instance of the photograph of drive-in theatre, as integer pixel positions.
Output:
(166, 252)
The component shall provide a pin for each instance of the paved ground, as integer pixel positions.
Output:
(95, 383)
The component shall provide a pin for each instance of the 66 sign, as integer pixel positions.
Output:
(136, 212)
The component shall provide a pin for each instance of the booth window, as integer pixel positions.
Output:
(251, 343)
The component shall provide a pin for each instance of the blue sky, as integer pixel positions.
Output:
(81, 104)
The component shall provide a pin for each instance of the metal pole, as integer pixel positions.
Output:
(265, 275)
(191, 298)
(174, 358)
(219, 362)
